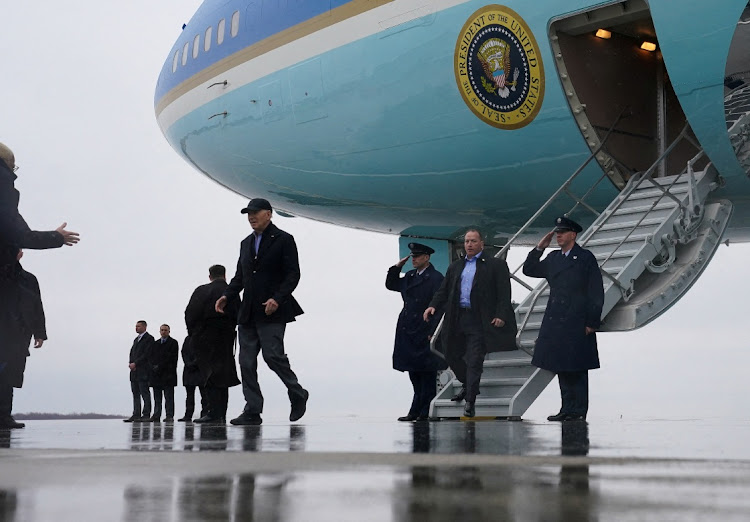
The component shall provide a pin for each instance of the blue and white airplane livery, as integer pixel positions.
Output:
(420, 118)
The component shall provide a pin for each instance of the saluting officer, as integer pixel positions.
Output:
(567, 340)
(411, 350)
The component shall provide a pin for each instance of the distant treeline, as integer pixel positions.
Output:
(52, 416)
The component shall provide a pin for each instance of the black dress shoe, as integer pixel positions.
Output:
(247, 419)
(557, 417)
(153, 419)
(186, 418)
(423, 418)
(168, 419)
(461, 395)
(408, 418)
(132, 418)
(574, 417)
(299, 406)
(208, 419)
(469, 409)
(9, 423)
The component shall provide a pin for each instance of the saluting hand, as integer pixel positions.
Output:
(221, 302)
(427, 313)
(271, 306)
(546, 240)
(403, 261)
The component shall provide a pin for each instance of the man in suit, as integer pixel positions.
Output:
(191, 379)
(479, 316)
(267, 274)
(139, 373)
(212, 341)
(162, 361)
(31, 324)
(567, 338)
(411, 350)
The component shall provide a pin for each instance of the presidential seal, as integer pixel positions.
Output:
(498, 68)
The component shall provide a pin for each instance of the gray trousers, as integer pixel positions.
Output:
(268, 339)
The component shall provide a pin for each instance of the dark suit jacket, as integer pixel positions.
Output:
(575, 302)
(490, 297)
(139, 355)
(162, 361)
(272, 272)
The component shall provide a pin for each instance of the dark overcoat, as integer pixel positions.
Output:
(162, 360)
(575, 302)
(272, 272)
(490, 295)
(191, 375)
(212, 335)
(411, 349)
(139, 355)
(24, 320)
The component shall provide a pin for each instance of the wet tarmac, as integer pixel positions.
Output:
(364, 469)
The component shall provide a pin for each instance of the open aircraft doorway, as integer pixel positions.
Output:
(609, 63)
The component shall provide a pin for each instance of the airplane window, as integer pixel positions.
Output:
(207, 39)
(196, 45)
(185, 52)
(235, 23)
(220, 32)
(176, 60)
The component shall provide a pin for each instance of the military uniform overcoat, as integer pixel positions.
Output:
(162, 360)
(212, 335)
(411, 350)
(490, 295)
(575, 302)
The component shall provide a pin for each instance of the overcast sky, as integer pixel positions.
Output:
(77, 110)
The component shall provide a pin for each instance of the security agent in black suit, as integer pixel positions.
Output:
(567, 338)
(411, 350)
(267, 274)
(479, 316)
(162, 360)
(139, 373)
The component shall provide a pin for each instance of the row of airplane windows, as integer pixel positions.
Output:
(220, 30)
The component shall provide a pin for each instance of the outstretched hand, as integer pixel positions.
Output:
(69, 238)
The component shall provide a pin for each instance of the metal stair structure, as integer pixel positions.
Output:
(652, 242)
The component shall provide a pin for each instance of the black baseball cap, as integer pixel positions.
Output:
(256, 204)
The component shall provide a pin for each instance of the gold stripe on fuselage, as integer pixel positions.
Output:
(321, 21)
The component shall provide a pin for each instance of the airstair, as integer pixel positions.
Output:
(652, 243)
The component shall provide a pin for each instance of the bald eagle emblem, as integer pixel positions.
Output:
(494, 56)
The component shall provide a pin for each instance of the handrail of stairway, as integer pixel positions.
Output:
(542, 209)
(592, 230)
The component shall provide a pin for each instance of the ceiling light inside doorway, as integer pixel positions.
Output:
(603, 33)
(648, 46)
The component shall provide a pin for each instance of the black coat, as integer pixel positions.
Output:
(272, 273)
(575, 302)
(191, 375)
(490, 295)
(14, 232)
(162, 361)
(22, 320)
(411, 349)
(212, 335)
(139, 353)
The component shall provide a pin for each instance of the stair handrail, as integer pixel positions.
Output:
(563, 188)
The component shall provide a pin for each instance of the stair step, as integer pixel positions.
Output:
(634, 238)
(653, 193)
(510, 381)
(506, 363)
(620, 254)
(479, 403)
(643, 209)
(629, 225)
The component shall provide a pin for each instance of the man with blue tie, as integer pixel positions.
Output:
(567, 338)
(267, 274)
(479, 316)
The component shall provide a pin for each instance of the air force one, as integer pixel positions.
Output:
(421, 117)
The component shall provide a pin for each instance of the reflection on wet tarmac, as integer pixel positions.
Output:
(472, 471)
